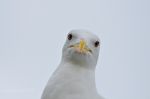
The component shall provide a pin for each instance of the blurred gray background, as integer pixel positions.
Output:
(32, 33)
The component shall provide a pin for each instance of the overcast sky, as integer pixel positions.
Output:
(32, 33)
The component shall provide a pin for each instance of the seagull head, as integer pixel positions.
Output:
(81, 48)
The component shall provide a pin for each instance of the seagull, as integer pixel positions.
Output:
(75, 76)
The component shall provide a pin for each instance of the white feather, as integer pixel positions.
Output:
(73, 80)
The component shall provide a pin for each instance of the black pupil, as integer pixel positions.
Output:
(96, 43)
(69, 36)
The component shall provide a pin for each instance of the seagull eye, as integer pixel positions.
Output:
(96, 44)
(70, 36)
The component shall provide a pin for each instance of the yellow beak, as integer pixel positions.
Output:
(82, 45)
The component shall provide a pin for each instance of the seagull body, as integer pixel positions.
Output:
(75, 76)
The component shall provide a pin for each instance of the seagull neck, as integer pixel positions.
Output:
(75, 74)
(82, 68)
